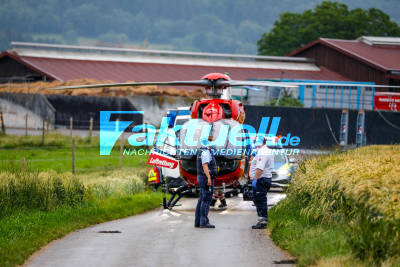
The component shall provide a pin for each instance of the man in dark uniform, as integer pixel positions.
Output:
(206, 172)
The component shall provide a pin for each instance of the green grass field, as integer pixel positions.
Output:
(46, 200)
(87, 159)
(56, 154)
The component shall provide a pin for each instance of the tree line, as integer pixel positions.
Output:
(228, 26)
(329, 20)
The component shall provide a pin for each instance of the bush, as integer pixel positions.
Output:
(287, 100)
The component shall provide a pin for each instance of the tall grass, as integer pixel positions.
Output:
(360, 190)
(107, 190)
(44, 191)
(38, 191)
(37, 207)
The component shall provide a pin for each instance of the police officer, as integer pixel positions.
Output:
(261, 173)
(206, 172)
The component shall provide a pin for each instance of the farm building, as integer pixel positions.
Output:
(32, 61)
(64, 62)
(368, 59)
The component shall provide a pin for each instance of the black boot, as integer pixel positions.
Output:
(223, 204)
(207, 226)
(213, 201)
(261, 224)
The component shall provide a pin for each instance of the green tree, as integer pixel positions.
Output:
(286, 99)
(329, 20)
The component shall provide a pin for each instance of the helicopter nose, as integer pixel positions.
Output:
(213, 112)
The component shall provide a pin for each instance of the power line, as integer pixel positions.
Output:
(330, 128)
(388, 122)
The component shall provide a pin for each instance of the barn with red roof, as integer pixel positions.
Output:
(368, 59)
(33, 61)
(65, 62)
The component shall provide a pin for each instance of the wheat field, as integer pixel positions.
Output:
(359, 189)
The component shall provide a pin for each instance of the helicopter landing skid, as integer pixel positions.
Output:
(175, 197)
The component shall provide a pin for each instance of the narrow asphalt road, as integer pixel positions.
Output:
(168, 238)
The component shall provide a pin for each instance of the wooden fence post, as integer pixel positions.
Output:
(91, 128)
(145, 131)
(47, 124)
(3, 127)
(73, 155)
(43, 132)
(121, 151)
(26, 124)
(71, 123)
(22, 164)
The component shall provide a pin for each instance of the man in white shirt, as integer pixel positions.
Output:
(261, 174)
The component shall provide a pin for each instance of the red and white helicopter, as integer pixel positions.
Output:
(216, 111)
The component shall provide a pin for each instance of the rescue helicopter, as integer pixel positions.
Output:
(216, 115)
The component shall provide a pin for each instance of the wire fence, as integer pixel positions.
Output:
(34, 125)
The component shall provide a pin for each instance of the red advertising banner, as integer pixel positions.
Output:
(158, 159)
(387, 101)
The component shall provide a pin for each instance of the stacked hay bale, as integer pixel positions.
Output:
(44, 88)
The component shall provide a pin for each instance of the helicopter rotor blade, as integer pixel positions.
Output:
(233, 83)
(203, 83)
(252, 88)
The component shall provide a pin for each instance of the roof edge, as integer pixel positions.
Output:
(303, 48)
(22, 45)
(325, 41)
(20, 60)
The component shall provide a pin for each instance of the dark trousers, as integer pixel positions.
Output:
(260, 196)
(203, 204)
